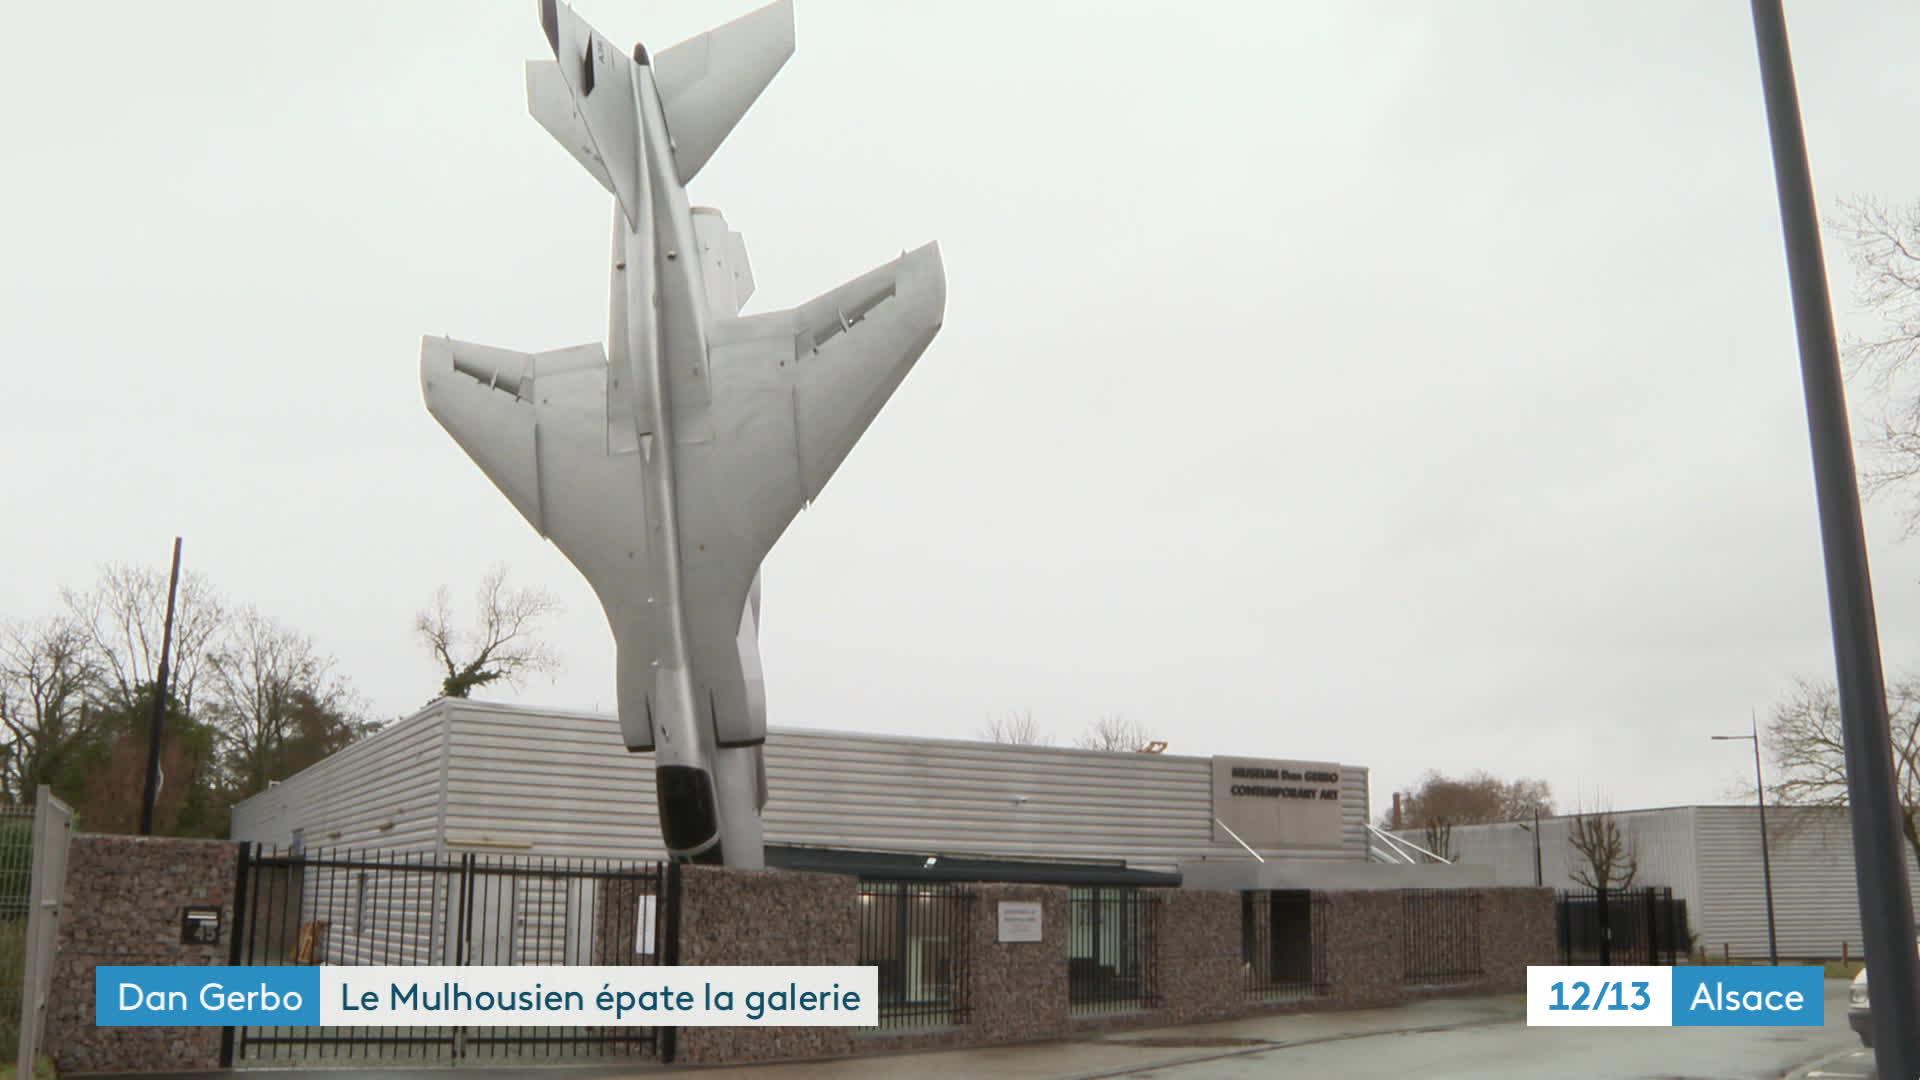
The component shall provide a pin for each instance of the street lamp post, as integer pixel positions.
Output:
(1880, 867)
(1537, 879)
(1766, 860)
(1535, 830)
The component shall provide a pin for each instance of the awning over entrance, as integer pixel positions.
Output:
(932, 866)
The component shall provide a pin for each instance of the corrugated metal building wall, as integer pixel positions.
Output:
(497, 778)
(1710, 857)
(1816, 904)
(382, 792)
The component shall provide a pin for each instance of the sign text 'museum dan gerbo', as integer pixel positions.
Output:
(1277, 804)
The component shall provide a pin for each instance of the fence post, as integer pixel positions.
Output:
(1606, 926)
(236, 935)
(670, 954)
(464, 942)
(46, 897)
(1676, 934)
(1560, 927)
(1650, 931)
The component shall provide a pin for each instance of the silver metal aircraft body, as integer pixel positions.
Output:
(666, 464)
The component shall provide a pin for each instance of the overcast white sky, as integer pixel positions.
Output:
(1411, 385)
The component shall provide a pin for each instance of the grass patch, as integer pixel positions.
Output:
(42, 1069)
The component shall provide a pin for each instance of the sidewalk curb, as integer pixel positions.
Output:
(1278, 1044)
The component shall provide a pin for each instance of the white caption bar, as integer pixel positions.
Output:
(1599, 996)
(600, 996)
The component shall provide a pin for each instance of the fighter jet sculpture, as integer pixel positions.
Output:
(666, 466)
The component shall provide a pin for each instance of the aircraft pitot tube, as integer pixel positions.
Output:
(666, 464)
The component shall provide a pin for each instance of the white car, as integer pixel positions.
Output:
(1859, 1017)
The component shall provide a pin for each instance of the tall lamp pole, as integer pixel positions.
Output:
(1537, 879)
(1879, 863)
(1766, 860)
(159, 701)
(1535, 830)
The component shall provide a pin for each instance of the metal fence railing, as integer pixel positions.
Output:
(1642, 926)
(1283, 944)
(1442, 934)
(423, 908)
(919, 936)
(1112, 949)
(16, 883)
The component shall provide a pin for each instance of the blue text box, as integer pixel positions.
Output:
(1749, 997)
(205, 996)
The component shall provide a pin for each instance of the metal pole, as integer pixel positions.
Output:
(159, 701)
(1538, 880)
(1886, 903)
(1766, 860)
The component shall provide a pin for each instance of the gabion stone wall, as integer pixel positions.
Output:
(123, 904)
(1516, 929)
(125, 895)
(1018, 991)
(746, 917)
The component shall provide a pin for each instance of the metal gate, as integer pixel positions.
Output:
(1643, 926)
(405, 908)
(1441, 943)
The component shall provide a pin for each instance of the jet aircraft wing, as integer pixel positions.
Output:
(536, 424)
(792, 391)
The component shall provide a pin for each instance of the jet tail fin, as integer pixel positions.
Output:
(551, 103)
(586, 99)
(708, 82)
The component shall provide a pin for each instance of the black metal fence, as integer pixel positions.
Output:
(1442, 940)
(919, 936)
(402, 908)
(16, 883)
(1112, 949)
(1283, 944)
(1639, 926)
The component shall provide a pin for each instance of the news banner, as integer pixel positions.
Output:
(327, 996)
(1676, 997)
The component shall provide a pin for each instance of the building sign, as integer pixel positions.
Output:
(200, 926)
(643, 925)
(1019, 920)
(1276, 804)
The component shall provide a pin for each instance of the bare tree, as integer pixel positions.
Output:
(1437, 836)
(1478, 799)
(1883, 243)
(1804, 740)
(124, 616)
(502, 646)
(1114, 732)
(1016, 729)
(48, 677)
(1608, 856)
(263, 679)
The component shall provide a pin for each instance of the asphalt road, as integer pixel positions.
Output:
(1438, 1038)
(1855, 1064)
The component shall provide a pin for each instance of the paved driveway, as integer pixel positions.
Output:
(1439, 1039)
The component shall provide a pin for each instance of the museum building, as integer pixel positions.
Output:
(465, 776)
(1003, 893)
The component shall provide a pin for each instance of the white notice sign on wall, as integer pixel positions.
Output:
(1019, 920)
(643, 927)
